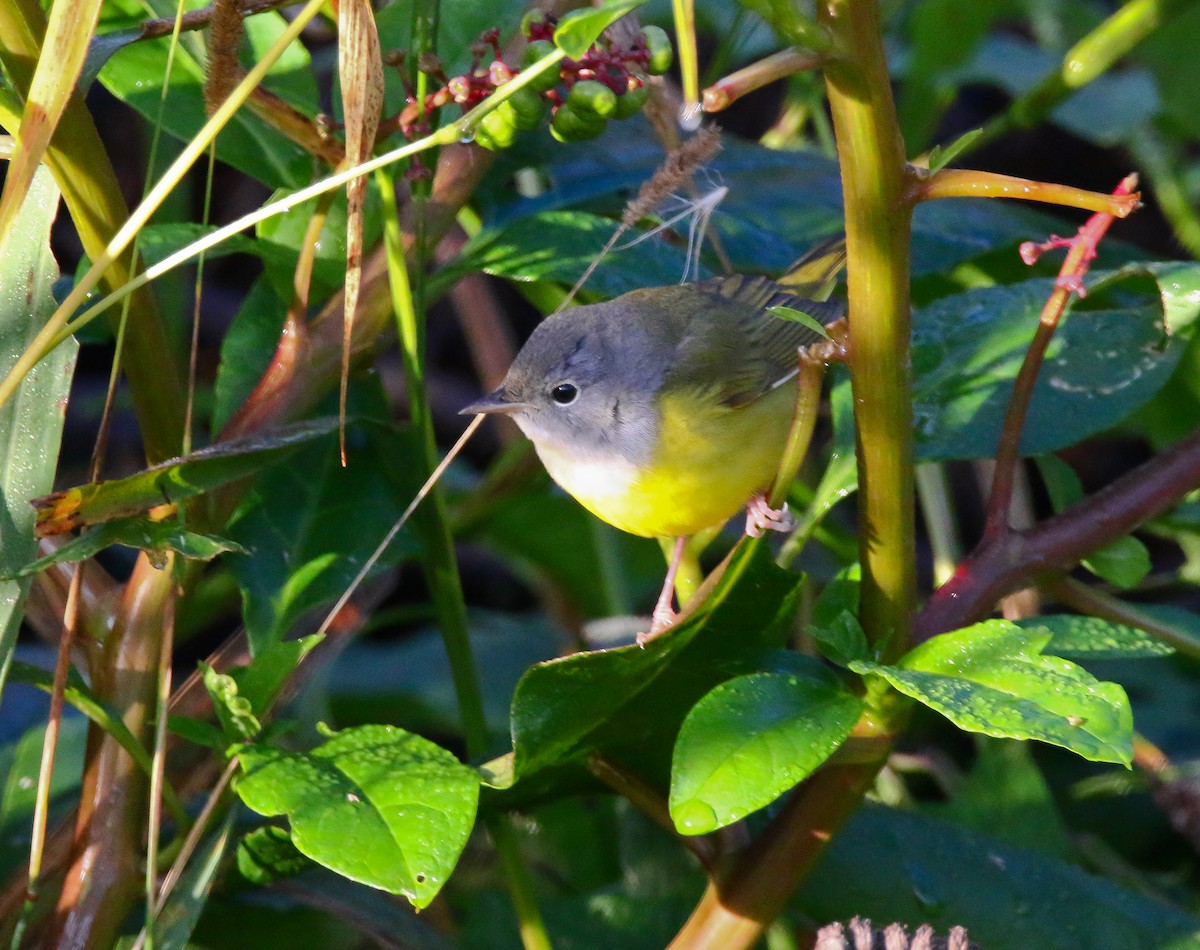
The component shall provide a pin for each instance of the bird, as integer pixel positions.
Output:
(665, 410)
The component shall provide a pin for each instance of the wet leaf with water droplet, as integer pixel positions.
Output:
(993, 678)
(754, 737)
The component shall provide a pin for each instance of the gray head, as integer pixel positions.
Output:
(587, 380)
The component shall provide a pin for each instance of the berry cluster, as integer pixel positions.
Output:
(608, 82)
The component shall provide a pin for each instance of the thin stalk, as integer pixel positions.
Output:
(970, 183)
(520, 885)
(684, 12)
(102, 881)
(1096, 603)
(878, 222)
(1070, 281)
(41, 804)
(158, 770)
(93, 197)
(933, 492)
(728, 90)
(446, 135)
(441, 565)
(1092, 56)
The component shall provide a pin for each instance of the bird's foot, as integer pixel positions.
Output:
(661, 621)
(761, 517)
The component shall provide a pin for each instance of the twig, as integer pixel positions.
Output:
(1082, 250)
(1059, 543)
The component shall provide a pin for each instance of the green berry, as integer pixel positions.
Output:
(631, 103)
(528, 108)
(659, 48)
(591, 96)
(540, 49)
(571, 126)
(531, 19)
(495, 130)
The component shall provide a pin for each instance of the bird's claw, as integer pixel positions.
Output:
(761, 517)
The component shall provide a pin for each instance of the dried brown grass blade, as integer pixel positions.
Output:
(360, 69)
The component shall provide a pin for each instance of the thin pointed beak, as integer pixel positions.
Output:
(495, 402)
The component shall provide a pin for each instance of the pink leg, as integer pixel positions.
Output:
(664, 614)
(762, 517)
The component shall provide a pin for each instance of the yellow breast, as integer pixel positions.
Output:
(709, 460)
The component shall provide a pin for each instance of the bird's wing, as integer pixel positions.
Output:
(734, 347)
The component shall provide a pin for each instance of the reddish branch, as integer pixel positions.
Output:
(1016, 558)
(1081, 252)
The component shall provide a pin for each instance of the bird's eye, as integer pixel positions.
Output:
(564, 393)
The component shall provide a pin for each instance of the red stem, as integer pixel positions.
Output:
(1016, 558)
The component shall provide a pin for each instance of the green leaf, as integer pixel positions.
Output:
(779, 204)
(375, 804)
(31, 422)
(79, 696)
(1100, 367)
(942, 155)
(310, 524)
(610, 699)
(19, 765)
(174, 924)
(262, 680)
(1090, 638)
(267, 855)
(1123, 563)
(751, 739)
(993, 678)
(235, 712)
(1006, 795)
(248, 348)
(579, 29)
(842, 640)
(559, 246)
(175, 480)
(798, 316)
(839, 596)
(1008, 898)
(154, 537)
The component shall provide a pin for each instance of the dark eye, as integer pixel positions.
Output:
(564, 393)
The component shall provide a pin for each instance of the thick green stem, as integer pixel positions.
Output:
(878, 215)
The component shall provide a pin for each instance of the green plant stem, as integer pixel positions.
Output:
(970, 183)
(933, 492)
(1087, 59)
(1161, 164)
(738, 906)
(441, 566)
(878, 218)
(685, 44)
(520, 885)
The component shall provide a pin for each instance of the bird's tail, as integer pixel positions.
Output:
(815, 274)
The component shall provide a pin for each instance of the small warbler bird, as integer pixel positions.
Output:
(667, 409)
